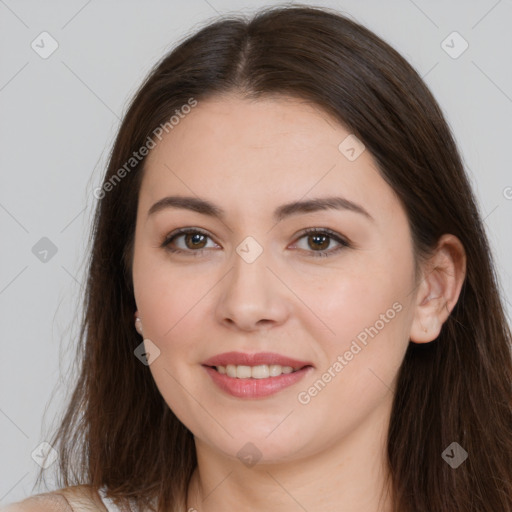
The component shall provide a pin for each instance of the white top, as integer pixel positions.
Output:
(109, 504)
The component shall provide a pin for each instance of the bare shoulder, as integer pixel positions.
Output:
(47, 502)
(78, 497)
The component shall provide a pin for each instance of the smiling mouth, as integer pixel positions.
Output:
(262, 371)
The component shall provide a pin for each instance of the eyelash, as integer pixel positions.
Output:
(312, 231)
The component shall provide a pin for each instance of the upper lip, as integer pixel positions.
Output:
(260, 358)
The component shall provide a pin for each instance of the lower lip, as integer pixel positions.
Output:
(255, 388)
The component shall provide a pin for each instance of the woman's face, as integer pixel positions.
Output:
(250, 281)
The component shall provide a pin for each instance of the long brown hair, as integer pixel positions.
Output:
(118, 432)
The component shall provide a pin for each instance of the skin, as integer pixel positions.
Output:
(250, 157)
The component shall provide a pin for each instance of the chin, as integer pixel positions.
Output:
(263, 443)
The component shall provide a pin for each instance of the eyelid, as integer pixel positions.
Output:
(343, 242)
(337, 237)
(183, 231)
(326, 231)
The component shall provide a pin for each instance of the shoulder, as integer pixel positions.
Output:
(47, 502)
(78, 497)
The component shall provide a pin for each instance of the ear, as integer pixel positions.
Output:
(439, 289)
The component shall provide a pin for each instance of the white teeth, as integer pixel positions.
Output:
(262, 371)
(231, 370)
(243, 372)
(275, 370)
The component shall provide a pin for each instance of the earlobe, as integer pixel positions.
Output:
(138, 323)
(439, 290)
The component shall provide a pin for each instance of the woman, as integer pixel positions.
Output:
(291, 300)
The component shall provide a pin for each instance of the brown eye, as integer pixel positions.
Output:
(319, 239)
(194, 241)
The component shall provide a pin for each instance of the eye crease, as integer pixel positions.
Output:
(316, 237)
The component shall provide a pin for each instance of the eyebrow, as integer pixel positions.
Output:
(205, 207)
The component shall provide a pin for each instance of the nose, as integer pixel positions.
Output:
(253, 296)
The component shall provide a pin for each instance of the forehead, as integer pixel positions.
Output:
(260, 151)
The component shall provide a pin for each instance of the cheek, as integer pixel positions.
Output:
(366, 315)
(166, 295)
(171, 303)
(356, 304)
(364, 310)
(362, 358)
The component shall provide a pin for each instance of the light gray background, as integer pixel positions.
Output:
(58, 119)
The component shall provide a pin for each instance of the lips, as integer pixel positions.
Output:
(243, 386)
(261, 358)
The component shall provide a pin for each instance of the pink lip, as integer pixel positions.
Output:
(245, 359)
(255, 388)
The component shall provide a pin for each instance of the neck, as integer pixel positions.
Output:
(349, 476)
